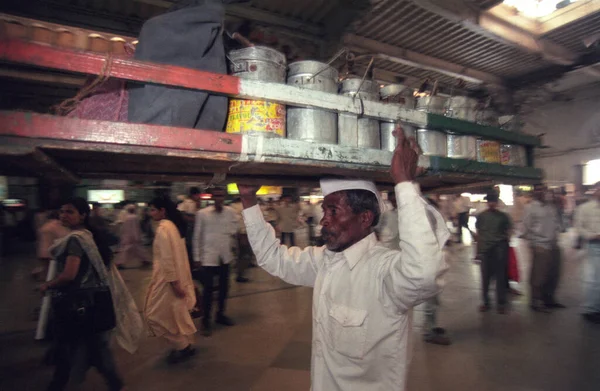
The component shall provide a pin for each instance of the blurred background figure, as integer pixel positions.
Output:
(243, 250)
(462, 207)
(188, 208)
(587, 223)
(269, 212)
(214, 233)
(288, 212)
(493, 236)
(49, 232)
(131, 247)
(101, 224)
(541, 227)
(389, 237)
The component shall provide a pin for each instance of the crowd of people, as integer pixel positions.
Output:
(369, 263)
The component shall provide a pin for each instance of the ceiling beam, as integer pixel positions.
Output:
(496, 27)
(569, 14)
(247, 12)
(421, 61)
(549, 50)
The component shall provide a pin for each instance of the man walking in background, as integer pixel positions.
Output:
(288, 213)
(493, 235)
(389, 236)
(214, 233)
(462, 207)
(541, 227)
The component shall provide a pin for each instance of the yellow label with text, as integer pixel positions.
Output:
(255, 116)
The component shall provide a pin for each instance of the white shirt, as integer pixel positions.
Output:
(541, 225)
(213, 233)
(362, 296)
(388, 230)
(587, 219)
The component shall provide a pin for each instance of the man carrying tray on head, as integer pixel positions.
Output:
(363, 292)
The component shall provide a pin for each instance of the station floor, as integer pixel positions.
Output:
(269, 348)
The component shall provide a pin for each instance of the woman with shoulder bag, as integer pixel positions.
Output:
(82, 301)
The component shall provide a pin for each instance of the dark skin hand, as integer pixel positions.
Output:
(403, 168)
(406, 157)
(68, 274)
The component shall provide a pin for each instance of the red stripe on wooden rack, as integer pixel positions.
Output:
(119, 67)
(73, 129)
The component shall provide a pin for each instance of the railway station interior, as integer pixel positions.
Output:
(324, 195)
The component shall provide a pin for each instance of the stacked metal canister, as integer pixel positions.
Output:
(322, 126)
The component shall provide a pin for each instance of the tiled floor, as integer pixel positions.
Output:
(269, 348)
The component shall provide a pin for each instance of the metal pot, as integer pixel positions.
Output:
(369, 90)
(258, 63)
(397, 93)
(354, 131)
(432, 142)
(462, 147)
(432, 104)
(306, 123)
(358, 132)
(388, 141)
(257, 116)
(461, 107)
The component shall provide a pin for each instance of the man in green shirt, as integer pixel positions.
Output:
(493, 235)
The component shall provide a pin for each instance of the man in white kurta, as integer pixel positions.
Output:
(363, 292)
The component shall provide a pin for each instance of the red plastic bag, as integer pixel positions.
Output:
(513, 266)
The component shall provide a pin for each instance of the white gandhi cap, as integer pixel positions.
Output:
(329, 186)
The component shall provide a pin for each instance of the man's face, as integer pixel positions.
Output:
(218, 197)
(341, 227)
(493, 205)
(540, 193)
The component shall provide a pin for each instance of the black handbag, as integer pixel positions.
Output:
(85, 310)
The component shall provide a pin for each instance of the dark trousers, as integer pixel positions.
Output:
(75, 354)
(208, 278)
(463, 221)
(545, 273)
(493, 265)
(288, 235)
(244, 254)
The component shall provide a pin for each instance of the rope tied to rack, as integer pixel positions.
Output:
(71, 104)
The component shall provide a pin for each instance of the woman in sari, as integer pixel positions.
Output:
(82, 301)
(171, 295)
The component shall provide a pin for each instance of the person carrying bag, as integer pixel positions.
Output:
(89, 300)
